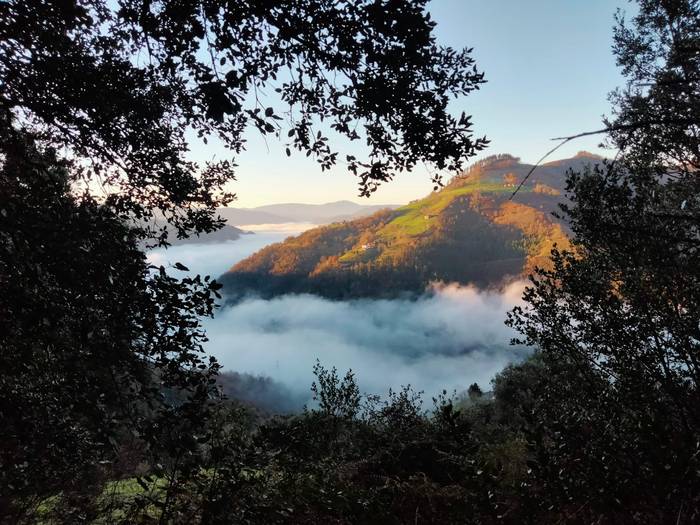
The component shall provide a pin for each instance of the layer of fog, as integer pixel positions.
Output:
(445, 340)
(216, 258)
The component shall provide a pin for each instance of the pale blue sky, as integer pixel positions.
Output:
(549, 69)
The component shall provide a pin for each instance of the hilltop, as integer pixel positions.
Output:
(467, 232)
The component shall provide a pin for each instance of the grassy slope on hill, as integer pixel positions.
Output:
(468, 232)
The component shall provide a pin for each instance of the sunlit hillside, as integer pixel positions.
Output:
(470, 231)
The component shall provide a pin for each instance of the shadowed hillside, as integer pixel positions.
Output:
(468, 232)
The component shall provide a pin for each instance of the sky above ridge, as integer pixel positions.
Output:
(549, 68)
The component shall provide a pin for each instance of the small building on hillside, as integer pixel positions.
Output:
(510, 180)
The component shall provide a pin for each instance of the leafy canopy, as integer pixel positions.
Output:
(120, 84)
(616, 319)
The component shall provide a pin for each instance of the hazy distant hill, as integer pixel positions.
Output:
(468, 232)
(313, 213)
(227, 233)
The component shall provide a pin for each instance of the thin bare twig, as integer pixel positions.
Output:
(536, 165)
(619, 127)
(596, 132)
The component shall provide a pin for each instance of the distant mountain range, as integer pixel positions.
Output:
(280, 214)
(313, 213)
(468, 232)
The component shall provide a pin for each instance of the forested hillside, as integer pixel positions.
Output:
(468, 232)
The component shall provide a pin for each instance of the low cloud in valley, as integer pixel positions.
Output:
(446, 339)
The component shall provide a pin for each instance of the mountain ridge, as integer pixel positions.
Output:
(298, 212)
(223, 234)
(469, 232)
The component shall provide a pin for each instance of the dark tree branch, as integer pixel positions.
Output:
(619, 127)
(535, 166)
